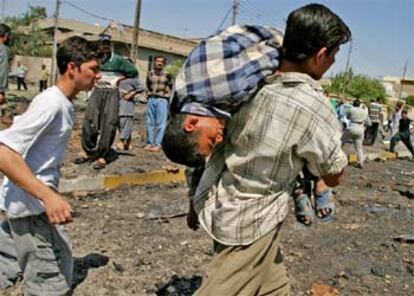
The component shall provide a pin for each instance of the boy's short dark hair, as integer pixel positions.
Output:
(75, 49)
(179, 146)
(310, 28)
(4, 29)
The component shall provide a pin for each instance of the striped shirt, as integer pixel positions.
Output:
(159, 85)
(244, 191)
(374, 111)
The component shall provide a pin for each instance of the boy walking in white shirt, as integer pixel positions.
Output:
(32, 239)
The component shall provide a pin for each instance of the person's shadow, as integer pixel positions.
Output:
(82, 265)
(179, 286)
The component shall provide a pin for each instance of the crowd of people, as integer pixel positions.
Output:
(254, 135)
(361, 126)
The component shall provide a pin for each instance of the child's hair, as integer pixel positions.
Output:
(4, 29)
(179, 146)
(310, 28)
(75, 49)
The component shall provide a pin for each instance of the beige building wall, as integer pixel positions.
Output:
(33, 64)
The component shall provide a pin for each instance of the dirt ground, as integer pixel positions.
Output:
(134, 240)
(122, 248)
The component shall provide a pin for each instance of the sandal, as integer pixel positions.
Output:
(303, 208)
(325, 200)
(81, 160)
(99, 165)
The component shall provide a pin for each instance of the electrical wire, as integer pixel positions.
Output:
(257, 13)
(88, 12)
(224, 19)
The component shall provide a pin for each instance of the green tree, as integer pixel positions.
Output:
(27, 38)
(357, 86)
(409, 100)
(173, 68)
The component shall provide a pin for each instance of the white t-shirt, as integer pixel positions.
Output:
(41, 136)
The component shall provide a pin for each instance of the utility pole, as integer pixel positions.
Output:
(134, 45)
(55, 31)
(403, 77)
(346, 74)
(235, 7)
(3, 10)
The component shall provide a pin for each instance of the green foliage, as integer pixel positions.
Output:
(25, 19)
(357, 86)
(173, 68)
(27, 39)
(409, 100)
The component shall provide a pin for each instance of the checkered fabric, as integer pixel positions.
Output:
(226, 69)
(243, 193)
(159, 85)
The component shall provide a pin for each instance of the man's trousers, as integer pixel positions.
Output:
(100, 122)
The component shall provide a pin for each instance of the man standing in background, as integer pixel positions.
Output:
(159, 86)
(374, 112)
(101, 117)
(4, 63)
(21, 76)
(44, 76)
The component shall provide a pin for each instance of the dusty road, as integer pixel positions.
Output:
(122, 248)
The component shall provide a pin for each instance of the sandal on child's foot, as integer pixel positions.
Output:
(303, 209)
(325, 205)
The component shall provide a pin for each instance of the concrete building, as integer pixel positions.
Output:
(394, 85)
(150, 44)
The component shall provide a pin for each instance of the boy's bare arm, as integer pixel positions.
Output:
(58, 210)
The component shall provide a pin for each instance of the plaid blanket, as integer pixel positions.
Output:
(225, 70)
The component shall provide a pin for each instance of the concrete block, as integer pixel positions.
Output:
(154, 177)
(82, 183)
(352, 158)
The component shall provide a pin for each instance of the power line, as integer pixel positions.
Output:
(258, 18)
(88, 12)
(248, 16)
(252, 18)
(251, 10)
(257, 12)
(224, 19)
